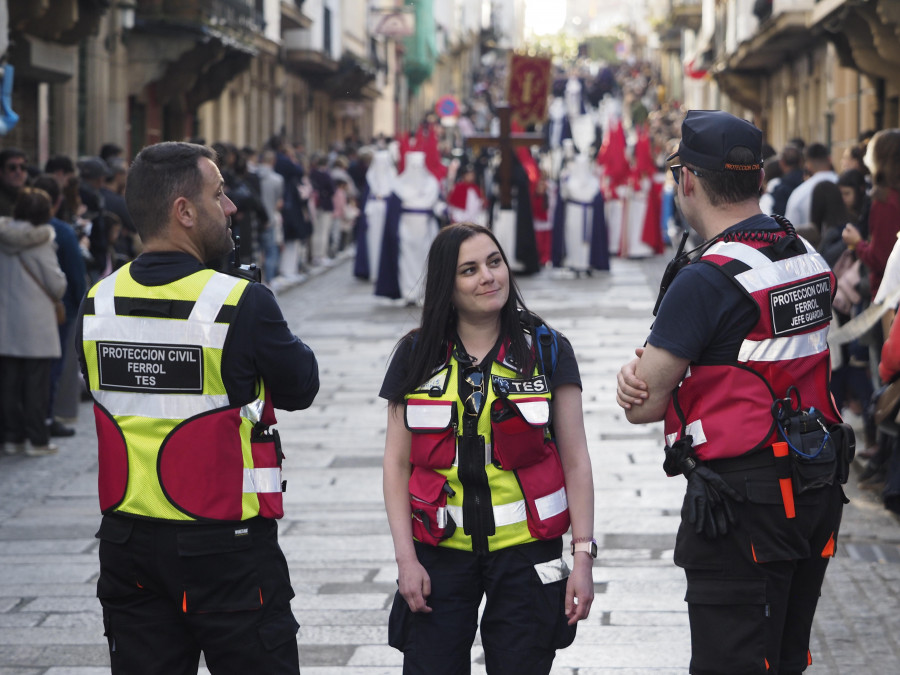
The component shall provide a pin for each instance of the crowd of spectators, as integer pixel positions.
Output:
(295, 213)
(65, 225)
(852, 217)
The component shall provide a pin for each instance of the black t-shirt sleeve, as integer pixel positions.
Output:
(703, 317)
(262, 345)
(566, 366)
(396, 371)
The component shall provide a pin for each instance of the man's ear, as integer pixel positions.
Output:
(184, 211)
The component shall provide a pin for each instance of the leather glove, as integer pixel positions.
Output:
(708, 500)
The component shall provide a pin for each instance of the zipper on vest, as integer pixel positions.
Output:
(478, 510)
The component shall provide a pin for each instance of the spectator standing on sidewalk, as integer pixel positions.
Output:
(271, 193)
(185, 366)
(71, 262)
(323, 187)
(30, 281)
(791, 162)
(818, 168)
(726, 341)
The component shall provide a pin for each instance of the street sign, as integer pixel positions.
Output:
(447, 106)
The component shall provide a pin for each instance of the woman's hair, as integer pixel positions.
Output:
(885, 157)
(438, 327)
(827, 208)
(33, 205)
(855, 179)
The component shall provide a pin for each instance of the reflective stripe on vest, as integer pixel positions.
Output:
(719, 404)
(785, 348)
(171, 474)
(510, 514)
(262, 480)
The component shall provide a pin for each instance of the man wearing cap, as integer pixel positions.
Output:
(739, 333)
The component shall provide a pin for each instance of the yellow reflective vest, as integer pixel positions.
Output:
(171, 446)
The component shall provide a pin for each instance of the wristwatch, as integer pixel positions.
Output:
(589, 547)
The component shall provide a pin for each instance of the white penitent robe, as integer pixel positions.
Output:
(579, 189)
(419, 193)
(380, 177)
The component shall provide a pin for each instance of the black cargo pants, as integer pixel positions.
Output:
(752, 594)
(170, 591)
(523, 623)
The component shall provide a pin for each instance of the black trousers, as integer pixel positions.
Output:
(522, 626)
(170, 591)
(752, 594)
(24, 399)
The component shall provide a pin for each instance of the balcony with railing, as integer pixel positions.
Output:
(236, 18)
(191, 49)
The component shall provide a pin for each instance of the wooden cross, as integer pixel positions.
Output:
(506, 141)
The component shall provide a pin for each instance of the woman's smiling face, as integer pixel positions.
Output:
(482, 277)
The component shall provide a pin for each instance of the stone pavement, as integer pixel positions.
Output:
(335, 534)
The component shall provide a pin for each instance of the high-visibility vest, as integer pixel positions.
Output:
(521, 462)
(171, 445)
(727, 408)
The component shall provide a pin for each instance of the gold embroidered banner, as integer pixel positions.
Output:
(528, 88)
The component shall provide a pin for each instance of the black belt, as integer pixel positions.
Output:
(758, 459)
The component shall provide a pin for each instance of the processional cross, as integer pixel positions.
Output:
(507, 141)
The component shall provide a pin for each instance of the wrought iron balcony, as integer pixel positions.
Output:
(229, 16)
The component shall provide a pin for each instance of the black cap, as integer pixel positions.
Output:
(707, 136)
(93, 167)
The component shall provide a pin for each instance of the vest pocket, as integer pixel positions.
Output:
(517, 428)
(267, 457)
(433, 442)
(544, 488)
(428, 492)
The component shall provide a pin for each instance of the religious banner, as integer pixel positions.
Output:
(528, 88)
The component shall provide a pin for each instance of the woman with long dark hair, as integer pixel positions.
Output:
(486, 464)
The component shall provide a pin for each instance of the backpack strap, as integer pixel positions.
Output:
(548, 348)
(545, 339)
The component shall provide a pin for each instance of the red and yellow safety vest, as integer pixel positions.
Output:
(521, 462)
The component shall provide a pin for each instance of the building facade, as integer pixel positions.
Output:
(820, 70)
(135, 72)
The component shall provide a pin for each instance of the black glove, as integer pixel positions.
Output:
(708, 497)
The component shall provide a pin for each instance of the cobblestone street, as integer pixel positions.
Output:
(335, 533)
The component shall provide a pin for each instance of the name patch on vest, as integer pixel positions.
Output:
(801, 306)
(161, 369)
(504, 386)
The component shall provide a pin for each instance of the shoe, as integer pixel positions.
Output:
(13, 448)
(41, 450)
(60, 430)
